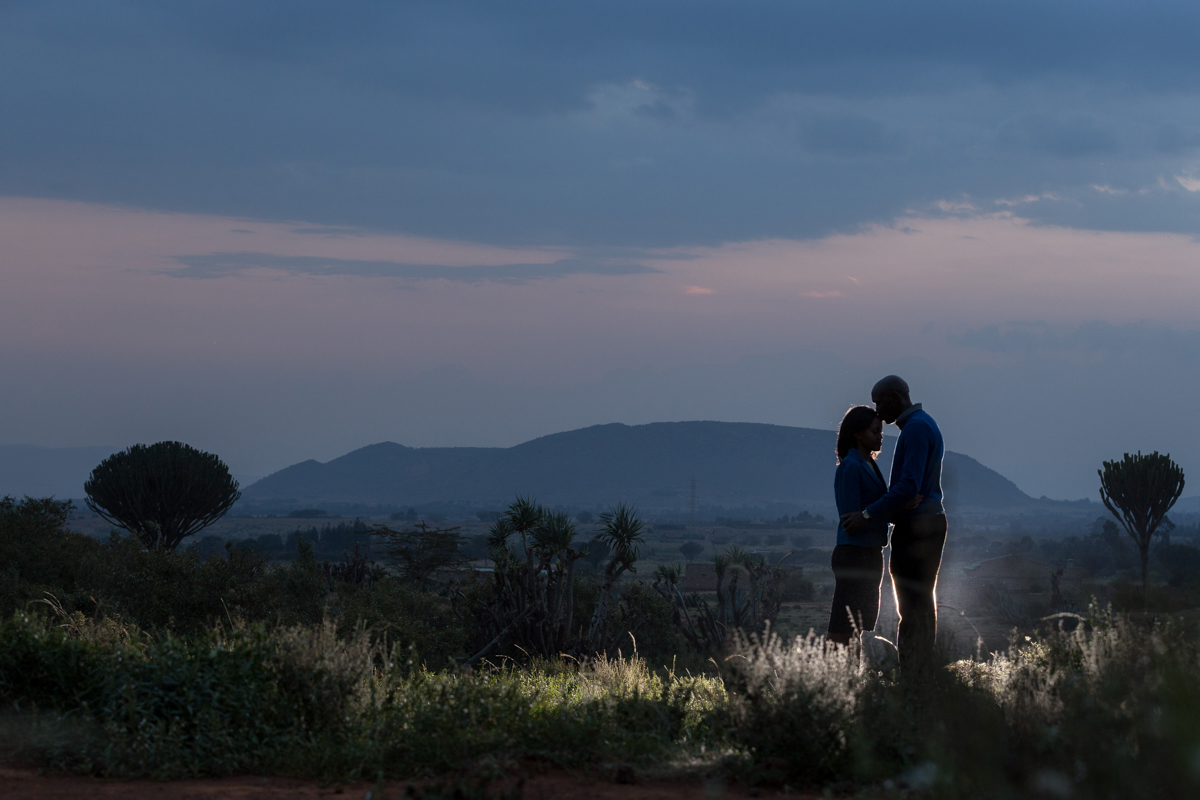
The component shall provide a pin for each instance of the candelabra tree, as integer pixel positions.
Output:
(162, 492)
(1139, 490)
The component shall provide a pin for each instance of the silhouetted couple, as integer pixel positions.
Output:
(911, 503)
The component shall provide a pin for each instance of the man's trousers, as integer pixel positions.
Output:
(916, 558)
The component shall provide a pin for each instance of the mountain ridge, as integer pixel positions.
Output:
(733, 463)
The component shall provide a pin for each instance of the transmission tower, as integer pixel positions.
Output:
(692, 505)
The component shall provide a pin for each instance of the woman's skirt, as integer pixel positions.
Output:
(858, 572)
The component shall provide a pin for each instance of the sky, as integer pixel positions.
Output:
(281, 231)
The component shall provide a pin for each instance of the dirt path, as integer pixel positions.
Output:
(24, 784)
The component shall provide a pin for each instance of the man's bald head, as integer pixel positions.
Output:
(892, 383)
(890, 396)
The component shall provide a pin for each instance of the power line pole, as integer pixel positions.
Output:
(692, 506)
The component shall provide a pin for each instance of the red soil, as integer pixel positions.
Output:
(25, 784)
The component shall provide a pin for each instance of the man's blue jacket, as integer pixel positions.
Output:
(916, 469)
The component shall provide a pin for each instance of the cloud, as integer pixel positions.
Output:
(956, 207)
(1035, 198)
(218, 265)
(696, 290)
(498, 123)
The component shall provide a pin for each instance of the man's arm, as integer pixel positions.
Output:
(912, 473)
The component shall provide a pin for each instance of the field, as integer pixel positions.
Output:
(237, 674)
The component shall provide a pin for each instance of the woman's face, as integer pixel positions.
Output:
(871, 438)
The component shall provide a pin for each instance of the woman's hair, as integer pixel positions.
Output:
(857, 419)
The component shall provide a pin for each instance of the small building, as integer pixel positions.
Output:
(1016, 573)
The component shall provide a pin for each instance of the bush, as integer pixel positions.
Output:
(168, 707)
(303, 701)
(1106, 711)
(38, 555)
(156, 589)
(795, 704)
(406, 616)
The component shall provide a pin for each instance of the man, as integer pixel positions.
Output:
(919, 534)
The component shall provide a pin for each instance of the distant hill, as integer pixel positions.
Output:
(1187, 505)
(734, 465)
(46, 471)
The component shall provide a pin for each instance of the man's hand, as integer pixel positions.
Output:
(853, 522)
(911, 505)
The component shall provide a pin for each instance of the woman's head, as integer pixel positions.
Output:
(860, 426)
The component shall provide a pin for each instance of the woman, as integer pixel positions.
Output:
(858, 557)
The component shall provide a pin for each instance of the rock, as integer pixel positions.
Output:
(878, 652)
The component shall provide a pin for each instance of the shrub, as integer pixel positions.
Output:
(795, 703)
(1106, 711)
(405, 616)
(304, 701)
(168, 707)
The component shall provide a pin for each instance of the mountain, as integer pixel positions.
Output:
(733, 464)
(45, 471)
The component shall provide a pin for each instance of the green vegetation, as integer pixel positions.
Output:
(180, 594)
(420, 551)
(536, 604)
(1139, 490)
(117, 659)
(304, 701)
(750, 611)
(1108, 712)
(330, 541)
(162, 493)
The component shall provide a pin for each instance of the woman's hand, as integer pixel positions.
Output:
(853, 522)
(911, 505)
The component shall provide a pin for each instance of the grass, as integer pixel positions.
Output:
(1108, 712)
(303, 701)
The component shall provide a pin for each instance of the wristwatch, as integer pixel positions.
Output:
(866, 514)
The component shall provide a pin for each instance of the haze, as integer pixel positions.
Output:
(281, 231)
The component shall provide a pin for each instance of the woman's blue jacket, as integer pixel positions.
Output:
(856, 484)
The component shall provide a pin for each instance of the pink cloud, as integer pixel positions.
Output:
(88, 281)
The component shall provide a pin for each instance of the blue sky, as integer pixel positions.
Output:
(207, 206)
